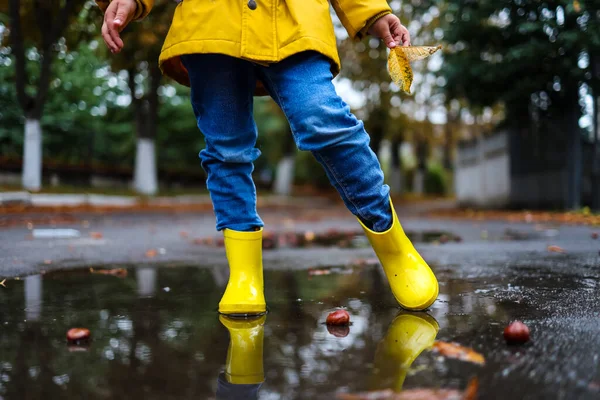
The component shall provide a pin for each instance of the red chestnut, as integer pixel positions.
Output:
(339, 317)
(78, 334)
(594, 235)
(516, 333)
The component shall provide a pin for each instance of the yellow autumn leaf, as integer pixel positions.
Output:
(399, 63)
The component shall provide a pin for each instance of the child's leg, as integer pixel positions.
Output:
(222, 93)
(323, 124)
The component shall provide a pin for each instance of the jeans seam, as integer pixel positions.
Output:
(325, 162)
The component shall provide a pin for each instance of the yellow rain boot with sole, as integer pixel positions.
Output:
(244, 365)
(406, 338)
(244, 294)
(412, 282)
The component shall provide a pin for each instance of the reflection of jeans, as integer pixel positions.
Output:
(222, 95)
(229, 391)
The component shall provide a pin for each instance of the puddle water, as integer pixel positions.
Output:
(332, 238)
(156, 335)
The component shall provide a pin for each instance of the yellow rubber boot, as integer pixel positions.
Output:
(244, 364)
(413, 283)
(244, 294)
(406, 338)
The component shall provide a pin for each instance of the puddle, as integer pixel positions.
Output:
(332, 238)
(155, 334)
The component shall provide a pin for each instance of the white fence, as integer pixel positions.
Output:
(482, 173)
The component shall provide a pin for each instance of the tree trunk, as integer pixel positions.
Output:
(145, 179)
(32, 155)
(376, 139)
(145, 174)
(284, 176)
(395, 174)
(419, 178)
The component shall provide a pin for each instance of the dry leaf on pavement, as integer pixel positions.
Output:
(454, 350)
(470, 393)
(118, 272)
(556, 249)
(151, 253)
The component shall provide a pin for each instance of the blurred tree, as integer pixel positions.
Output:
(36, 27)
(388, 113)
(527, 55)
(143, 43)
(277, 145)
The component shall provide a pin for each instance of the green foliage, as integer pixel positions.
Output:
(522, 53)
(309, 171)
(435, 180)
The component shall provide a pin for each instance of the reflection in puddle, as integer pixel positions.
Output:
(332, 238)
(156, 334)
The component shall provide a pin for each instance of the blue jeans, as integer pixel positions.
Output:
(222, 99)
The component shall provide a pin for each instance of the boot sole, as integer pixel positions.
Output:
(242, 310)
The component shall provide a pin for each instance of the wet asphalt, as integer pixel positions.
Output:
(497, 273)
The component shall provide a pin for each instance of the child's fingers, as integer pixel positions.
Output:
(405, 40)
(108, 39)
(401, 34)
(114, 22)
(386, 36)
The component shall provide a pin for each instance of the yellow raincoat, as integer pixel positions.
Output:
(272, 31)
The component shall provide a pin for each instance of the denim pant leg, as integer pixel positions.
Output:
(323, 124)
(222, 95)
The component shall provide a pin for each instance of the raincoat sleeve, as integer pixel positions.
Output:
(357, 16)
(143, 7)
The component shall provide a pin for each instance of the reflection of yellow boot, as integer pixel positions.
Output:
(413, 283)
(406, 338)
(245, 290)
(244, 364)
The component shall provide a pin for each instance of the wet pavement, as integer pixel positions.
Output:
(156, 333)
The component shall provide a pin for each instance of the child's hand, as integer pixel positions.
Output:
(391, 31)
(118, 14)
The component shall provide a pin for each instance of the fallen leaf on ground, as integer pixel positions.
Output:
(365, 262)
(47, 262)
(183, 234)
(77, 334)
(454, 350)
(119, 272)
(470, 393)
(556, 249)
(151, 253)
(312, 272)
(96, 235)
